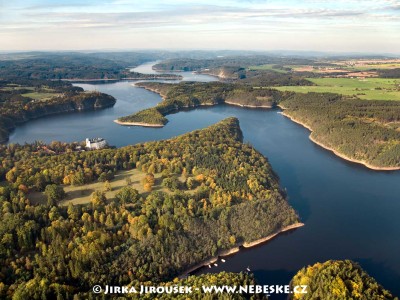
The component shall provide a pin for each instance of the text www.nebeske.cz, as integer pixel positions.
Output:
(212, 289)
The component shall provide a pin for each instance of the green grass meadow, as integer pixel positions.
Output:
(366, 89)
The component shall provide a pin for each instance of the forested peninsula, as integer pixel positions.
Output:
(193, 94)
(23, 100)
(226, 195)
(338, 280)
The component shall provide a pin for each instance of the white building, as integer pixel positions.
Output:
(97, 143)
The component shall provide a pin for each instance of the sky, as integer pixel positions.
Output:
(368, 26)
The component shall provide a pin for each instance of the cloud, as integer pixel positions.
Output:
(121, 18)
(186, 16)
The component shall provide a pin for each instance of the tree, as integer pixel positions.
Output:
(107, 186)
(73, 212)
(98, 199)
(23, 188)
(190, 183)
(147, 187)
(172, 183)
(54, 194)
(127, 195)
(148, 182)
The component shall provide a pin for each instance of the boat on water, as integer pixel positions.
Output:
(248, 269)
(223, 260)
(209, 266)
(216, 265)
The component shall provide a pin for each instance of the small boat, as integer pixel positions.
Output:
(216, 265)
(248, 269)
(209, 266)
(223, 260)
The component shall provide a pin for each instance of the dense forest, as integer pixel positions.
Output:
(74, 66)
(61, 66)
(24, 99)
(389, 73)
(366, 131)
(230, 195)
(229, 61)
(194, 94)
(108, 65)
(338, 280)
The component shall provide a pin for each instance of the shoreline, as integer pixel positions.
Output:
(119, 79)
(271, 236)
(156, 91)
(204, 104)
(193, 72)
(248, 106)
(9, 131)
(138, 124)
(365, 164)
(236, 249)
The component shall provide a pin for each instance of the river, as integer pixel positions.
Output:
(350, 212)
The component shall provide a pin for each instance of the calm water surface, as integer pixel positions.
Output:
(350, 212)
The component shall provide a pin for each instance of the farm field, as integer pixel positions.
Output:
(363, 65)
(366, 89)
(268, 67)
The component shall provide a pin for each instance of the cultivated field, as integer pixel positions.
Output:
(367, 89)
(374, 64)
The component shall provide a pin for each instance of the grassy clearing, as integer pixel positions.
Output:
(269, 67)
(82, 194)
(367, 89)
(41, 96)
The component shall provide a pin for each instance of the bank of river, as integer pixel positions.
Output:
(350, 212)
(337, 153)
(138, 124)
(236, 249)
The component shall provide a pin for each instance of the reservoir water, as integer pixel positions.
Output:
(350, 212)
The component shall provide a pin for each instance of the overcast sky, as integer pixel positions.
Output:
(325, 25)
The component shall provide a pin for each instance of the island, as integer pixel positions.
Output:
(160, 209)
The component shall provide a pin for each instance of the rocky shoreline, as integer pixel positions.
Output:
(138, 124)
(248, 106)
